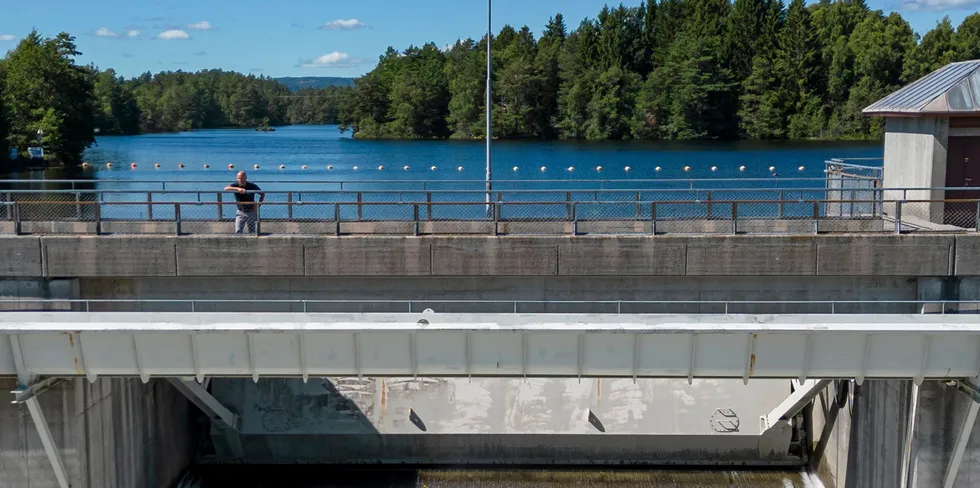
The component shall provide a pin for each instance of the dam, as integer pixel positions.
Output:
(788, 337)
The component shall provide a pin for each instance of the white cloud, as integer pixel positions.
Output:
(202, 26)
(332, 60)
(173, 34)
(7, 37)
(343, 24)
(938, 5)
(132, 33)
(103, 32)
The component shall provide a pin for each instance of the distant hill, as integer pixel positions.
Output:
(298, 83)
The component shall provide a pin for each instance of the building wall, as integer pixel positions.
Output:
(114, 433)
(915, 157)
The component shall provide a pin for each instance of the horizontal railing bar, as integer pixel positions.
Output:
(480, 301)
(507, 203)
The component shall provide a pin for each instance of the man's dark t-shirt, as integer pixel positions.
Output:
(246, 197)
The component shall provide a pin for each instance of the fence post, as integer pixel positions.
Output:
(569, 212)
(98, 218)
(258, 219)
(898, 217)
(149, 205)
(336, 218)
(415, 218)
(428, 205)
(289, 206)
(816, 218)
(176, 218)
(574, 219)
(221, 206)
(709, 204)
(17, 228)
(496, 218)
(639, 211)
(78, 205)
(9, 206)
(976, 218)
(782, 198)
(360, 212)
(734, 218)
(653, 218)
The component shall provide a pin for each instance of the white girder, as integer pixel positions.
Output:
(302, 345)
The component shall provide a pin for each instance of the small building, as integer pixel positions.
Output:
(932, 140)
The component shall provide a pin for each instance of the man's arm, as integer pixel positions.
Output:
(235, 188)
(260, 192)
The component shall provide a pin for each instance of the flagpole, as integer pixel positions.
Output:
(489, 99)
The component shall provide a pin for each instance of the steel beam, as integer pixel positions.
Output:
(200, 397)
(794, 403)
(253, 345)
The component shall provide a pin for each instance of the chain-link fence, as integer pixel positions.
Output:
(516, 212)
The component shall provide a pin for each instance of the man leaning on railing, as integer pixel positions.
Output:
(245, 197)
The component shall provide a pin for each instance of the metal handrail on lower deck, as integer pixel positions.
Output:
(516, 306)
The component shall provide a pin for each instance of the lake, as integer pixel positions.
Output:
(331, 156)
(314, 160)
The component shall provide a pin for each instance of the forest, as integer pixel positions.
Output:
(663, 70)
(666, 70)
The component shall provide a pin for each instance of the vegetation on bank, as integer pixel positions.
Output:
(668, 69)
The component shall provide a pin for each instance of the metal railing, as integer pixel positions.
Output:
(733, 211)
(499, 306)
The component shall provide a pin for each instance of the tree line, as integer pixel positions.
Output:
(667, 69)
(43, 89)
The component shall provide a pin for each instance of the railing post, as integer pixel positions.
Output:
(415, 218)
(289, 206)
(258, 219)
(569, 211)
(709, 204)
(9, 206)
(176, 218)
(496, 218)
(976, 218)
(149, 205)
(336, 218)
(816, 217)
(653, 218)
(574, 220)
(360, 212)
(898, 217)
(639, 211)
(734, 218)
(428, 206)
(98, 218)
(782, 198)
(17, 228)
(78, 205)
(221, 206)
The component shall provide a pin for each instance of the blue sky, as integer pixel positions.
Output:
(307, 37)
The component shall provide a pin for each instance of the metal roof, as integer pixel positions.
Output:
(952, 89)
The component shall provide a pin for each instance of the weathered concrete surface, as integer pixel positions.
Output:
(886, 256)
(491, 420)
(915, 157)
(109, 256)
(674, 291)
(115, 433)
(859, 442)
(25, 294)
(830, 255)
(20, 257)
(352, 256)
(240, 255)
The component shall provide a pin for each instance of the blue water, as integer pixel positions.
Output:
(321, 165)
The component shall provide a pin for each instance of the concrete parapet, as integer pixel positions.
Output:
(109, 256)
(885, 255)
(240, 255)
(20, 257)
(352, 256)
(634, 255)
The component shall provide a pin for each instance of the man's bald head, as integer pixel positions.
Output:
(242, 177)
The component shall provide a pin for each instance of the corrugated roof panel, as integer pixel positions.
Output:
(917, 95)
